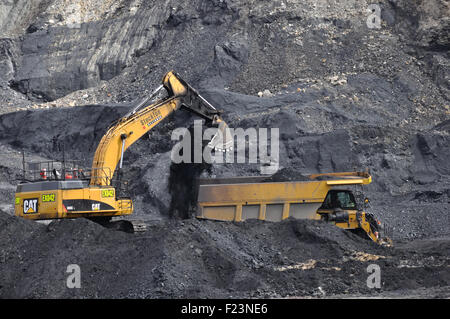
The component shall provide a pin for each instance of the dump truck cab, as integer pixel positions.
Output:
(341, 208)
(339, 199)
(338, 204)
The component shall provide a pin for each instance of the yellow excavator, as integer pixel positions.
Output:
(64, 190)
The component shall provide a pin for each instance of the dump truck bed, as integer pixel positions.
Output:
(242, 198)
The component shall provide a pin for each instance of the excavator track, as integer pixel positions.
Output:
(138, 226)
(127, 226)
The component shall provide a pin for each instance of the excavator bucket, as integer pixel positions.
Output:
(223, 140)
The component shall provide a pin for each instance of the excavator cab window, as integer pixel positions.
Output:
(342, 199)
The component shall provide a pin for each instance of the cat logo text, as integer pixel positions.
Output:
(30, 206)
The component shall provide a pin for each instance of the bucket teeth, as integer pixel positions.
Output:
(222, 141)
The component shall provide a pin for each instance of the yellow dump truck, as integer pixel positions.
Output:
(321, 197)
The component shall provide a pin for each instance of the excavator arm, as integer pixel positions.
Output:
(142, 119)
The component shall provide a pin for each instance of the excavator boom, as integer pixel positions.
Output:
(142, 119)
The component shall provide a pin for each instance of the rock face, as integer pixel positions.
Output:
(110, 36)
(51, 68)
(427, 22)
(15, 16)
(67, 46)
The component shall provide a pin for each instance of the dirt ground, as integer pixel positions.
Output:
(205, 259)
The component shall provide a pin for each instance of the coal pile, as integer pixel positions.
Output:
(286, 175)
(207, 259)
